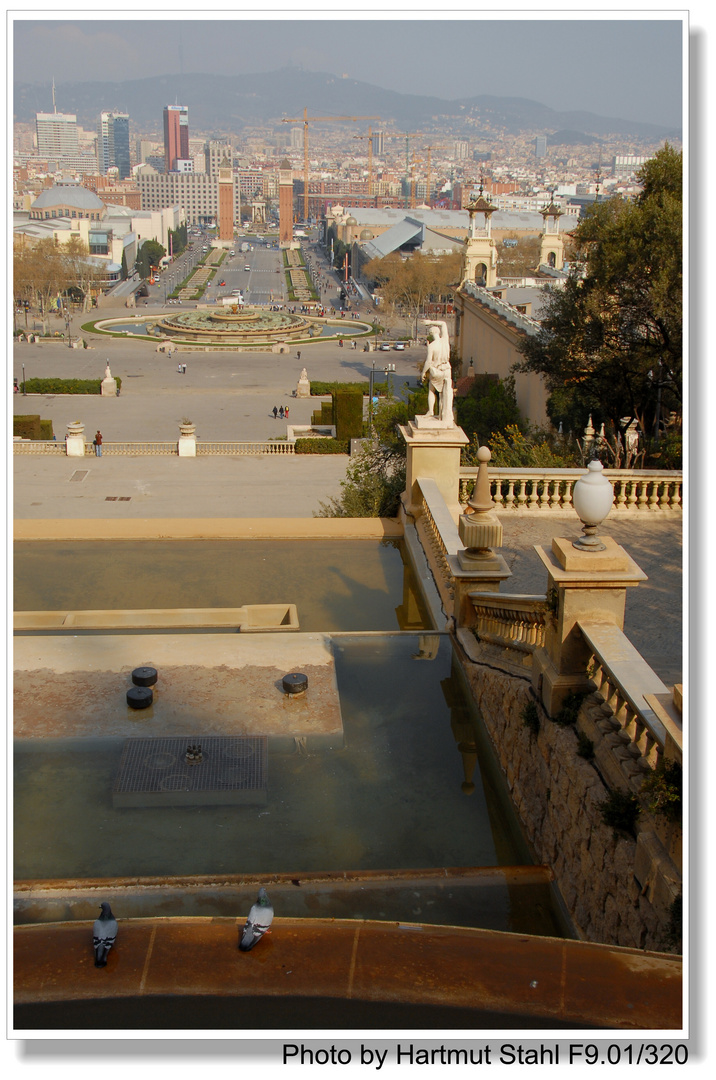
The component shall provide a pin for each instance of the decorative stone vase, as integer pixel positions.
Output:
(592, 498)
(187, 429)
(75, 442)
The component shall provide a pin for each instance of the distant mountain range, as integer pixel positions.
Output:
(227, 103)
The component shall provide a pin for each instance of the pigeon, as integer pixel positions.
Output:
(104, 935)
(258, 922)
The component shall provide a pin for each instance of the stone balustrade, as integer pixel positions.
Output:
(623, 678)
(38, 446)
(438, 535)
(635, 490)
(229, 449)
(515, 621)
(131, 448)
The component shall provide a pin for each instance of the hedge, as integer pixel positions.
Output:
(66, 386)
(27, 427)
(322, 389)
(322, 446)
(348, 414)
(32, 427)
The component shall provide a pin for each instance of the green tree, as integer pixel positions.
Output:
(489, 406)
(375, 479)
(149, 255)
(611, 338)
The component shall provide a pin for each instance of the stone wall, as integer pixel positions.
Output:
(556, 794)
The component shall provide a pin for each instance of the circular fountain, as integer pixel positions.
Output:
(236, 325)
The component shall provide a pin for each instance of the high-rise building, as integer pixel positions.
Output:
(214, 154)
(541, 146)
(113, 143)
(377, 140)
(176, 135)
(56, 134)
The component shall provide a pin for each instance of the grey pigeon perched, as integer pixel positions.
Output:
(104, 935)
(258, 922)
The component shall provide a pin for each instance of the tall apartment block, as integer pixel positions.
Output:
(176, 136)
(56, 134)
(113, 143)
(214, 154)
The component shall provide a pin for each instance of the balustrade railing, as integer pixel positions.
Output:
(523, 490)
(133, 449)
(438, 534)
(230, 449)
(516, 621)
(622, 678)
(153, 448)
(38, 446)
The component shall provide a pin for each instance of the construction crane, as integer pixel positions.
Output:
(414, 162)
(429, 149)
(305, 119)
(407, 135)
(369, 137)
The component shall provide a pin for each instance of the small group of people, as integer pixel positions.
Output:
(281, 411)
(181, 369)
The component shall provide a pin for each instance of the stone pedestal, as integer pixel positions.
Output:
(586, 586)
(303, 388)
(109, 387)
(187, 440)
(75, 441)
(433, 451)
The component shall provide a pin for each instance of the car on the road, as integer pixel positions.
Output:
(247, 267)
(384, 346)
(221, 284)
(399, 346)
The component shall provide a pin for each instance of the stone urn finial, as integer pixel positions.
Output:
(592, 498)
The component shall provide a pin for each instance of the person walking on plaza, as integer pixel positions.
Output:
(275, 412)
(280, 412)
(98, 444)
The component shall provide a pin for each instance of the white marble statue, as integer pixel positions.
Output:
(107, 372)
(438, 372)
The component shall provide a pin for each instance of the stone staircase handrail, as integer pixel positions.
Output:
(623, 678)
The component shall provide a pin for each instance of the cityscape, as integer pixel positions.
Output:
(348, 514)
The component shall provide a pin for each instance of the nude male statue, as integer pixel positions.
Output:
(438, 372)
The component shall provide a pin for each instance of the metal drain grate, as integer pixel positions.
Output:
(154, 772)
(118, 498)
(78, 474)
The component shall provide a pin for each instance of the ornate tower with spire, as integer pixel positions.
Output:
(480, 264)
(551, 252)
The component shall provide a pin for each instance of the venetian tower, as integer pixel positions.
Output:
(285, 204)
(551, 251)
(480, 264)
(225, 223)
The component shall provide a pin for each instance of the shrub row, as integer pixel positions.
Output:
(66, 386)
(321, 446)
(321, 389)
(32, 427)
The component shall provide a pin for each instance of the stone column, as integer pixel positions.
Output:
(433, 451)
(582, 585)
(75, 442)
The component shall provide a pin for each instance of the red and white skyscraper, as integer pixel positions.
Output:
(176, 135)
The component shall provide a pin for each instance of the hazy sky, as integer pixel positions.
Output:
(629, 68)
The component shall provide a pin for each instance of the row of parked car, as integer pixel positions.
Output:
(399, 346)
